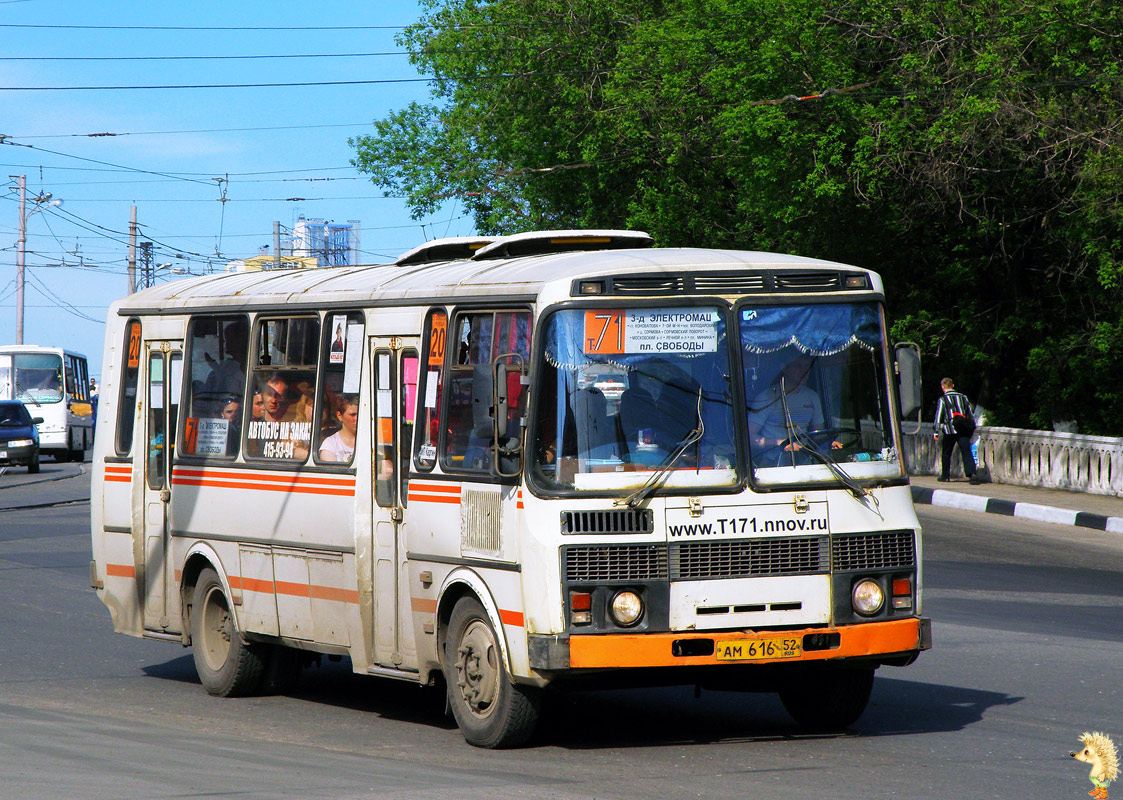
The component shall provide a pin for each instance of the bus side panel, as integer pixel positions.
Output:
(296, 573)
(117, 572)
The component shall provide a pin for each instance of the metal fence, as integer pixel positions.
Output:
(1048, 459)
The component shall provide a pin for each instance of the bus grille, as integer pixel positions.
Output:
(623, 520)
(886, 550)
(639, 562)
(663, 284)
(742, 283)
(807, 280)
(750, 558)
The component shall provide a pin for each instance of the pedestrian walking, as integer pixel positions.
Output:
(954, 425)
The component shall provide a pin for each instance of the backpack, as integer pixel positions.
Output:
(963, 424)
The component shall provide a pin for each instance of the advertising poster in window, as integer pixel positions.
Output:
(337, 353)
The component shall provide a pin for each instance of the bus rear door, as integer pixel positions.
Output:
(394, 366)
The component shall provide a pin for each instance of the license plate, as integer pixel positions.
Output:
(3, 453)
(757, 649)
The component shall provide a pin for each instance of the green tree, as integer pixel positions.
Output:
(971, 153)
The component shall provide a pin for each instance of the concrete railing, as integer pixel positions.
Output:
(1048, 459)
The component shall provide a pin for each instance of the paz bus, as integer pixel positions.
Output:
(54, 384)
(546, 459)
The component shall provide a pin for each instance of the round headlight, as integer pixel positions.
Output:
(626, 608)
(867, 597)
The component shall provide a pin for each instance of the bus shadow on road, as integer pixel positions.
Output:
(334, 683)
(582, 719)
(647, 717)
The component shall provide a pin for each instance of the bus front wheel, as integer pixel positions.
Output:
(227, 665)
(827, 698)
(490, 710)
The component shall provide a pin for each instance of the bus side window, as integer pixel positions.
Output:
(482, 339)
(284, 373)
(341, 362)
(431, 388)
(216, 380)
(126, 411)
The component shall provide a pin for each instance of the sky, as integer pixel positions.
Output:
(273, 152)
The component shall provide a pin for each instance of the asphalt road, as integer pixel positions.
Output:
(1028, 644)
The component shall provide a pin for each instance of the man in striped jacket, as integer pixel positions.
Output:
(951, 404)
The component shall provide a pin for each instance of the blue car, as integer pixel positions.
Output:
(19, 438)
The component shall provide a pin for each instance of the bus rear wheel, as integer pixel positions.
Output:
(227, 665)
(827, 698)
(489, 709)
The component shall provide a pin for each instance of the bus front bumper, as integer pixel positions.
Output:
(894, 641)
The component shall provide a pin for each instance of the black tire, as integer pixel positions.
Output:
(33, 465)
(489, 709)
(227, 665)
(283, 666)
(827, 698)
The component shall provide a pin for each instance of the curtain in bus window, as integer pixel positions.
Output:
(819, 330)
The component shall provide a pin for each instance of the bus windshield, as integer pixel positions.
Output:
(815, 382)
(34, 378)
(634, 390)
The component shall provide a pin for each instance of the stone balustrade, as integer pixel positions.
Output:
(1047, 459)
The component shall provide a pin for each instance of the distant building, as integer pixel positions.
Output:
(314, 243)
(258, 263)
(333, 244)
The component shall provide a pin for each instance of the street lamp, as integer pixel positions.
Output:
(41, 202)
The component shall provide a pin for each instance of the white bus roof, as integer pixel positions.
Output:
(38, 348)
(464, 280)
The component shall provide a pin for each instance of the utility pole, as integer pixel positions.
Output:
(132, 249)
(276, 244)
(147, 279)
(20, 255)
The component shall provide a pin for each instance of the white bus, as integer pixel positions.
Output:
(54, 384)
(560, 457)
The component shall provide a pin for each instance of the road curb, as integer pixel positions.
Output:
(992, 505)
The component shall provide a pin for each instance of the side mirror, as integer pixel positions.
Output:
(909, 390)
(508, 395)
(36, 420)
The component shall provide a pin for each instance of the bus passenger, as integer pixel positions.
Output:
(341, 444)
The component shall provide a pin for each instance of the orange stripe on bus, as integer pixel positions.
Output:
(427, 498)
(120, 570)
(423, 605)
(443, 488)
(655, 649)
(332, 593)
(251, 584)
(262, 477)
(514, 618)
(293, 488)
(117, 478)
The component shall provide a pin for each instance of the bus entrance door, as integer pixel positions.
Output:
(161, 403)
(394, 364)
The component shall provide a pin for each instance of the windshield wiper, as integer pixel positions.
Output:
(635, 498)
(20, 390)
